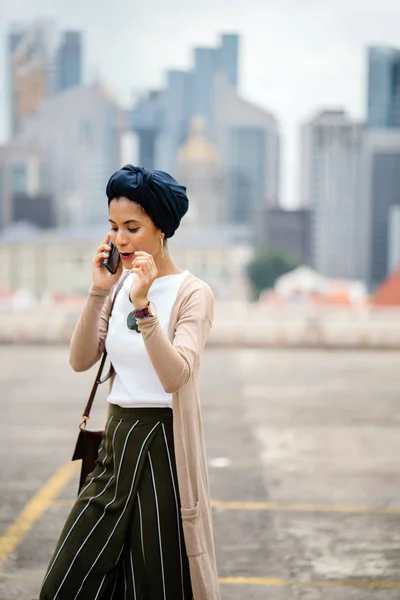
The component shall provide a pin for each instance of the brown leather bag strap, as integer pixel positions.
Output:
(98, 379)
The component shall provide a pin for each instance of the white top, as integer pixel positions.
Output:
(136, 383)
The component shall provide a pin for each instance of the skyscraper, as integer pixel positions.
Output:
(383, 109)
(228, 58)
(28, 71)
(208, 63)
(382, 158)
(146, 120)
(177, 108)
(247, 137)
(382, 177)
(80, 150)
(187, 94)
(394, 238)
(68, 61)
(331, 186)
(39, 64)
(199, 169)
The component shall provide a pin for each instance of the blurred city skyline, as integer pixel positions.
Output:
(306, 57)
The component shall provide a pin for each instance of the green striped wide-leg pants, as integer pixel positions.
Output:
(123, 539)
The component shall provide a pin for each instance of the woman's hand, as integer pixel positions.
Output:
(145, 271)
(102, 278)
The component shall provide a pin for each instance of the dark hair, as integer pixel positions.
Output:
(163, 199)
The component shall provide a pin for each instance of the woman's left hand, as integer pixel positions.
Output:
(146, 272)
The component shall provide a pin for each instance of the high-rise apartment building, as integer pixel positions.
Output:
(383, 110)
(382, 193)
(331, 157)
(382, 161)
(81, 150)
(248, 140)
(394, 238)
(39, 64)
(29, 71)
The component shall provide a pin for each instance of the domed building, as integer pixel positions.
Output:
(207, 244)
(199, 169)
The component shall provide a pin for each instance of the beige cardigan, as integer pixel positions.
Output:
(176, 362)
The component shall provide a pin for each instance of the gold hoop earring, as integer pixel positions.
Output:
(162, 247)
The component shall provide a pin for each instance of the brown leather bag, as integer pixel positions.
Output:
(89, 440)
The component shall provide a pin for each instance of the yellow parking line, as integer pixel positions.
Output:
(34, 509)
(344, 508)
(372, 585)
(275, 581)
(326, 508)
(47, 496)
(253, 581)
(270, 581)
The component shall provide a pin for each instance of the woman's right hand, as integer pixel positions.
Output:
(102, 278)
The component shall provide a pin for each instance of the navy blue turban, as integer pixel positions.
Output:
(161, 196)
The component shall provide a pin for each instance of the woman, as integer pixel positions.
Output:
(141, 528)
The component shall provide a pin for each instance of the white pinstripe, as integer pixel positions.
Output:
(141, 527)
(102, 582)
(178, 517)
(101, 585)
(115, 585)
(104, 512)
(88, 504)
(158, 523)
(125, 507)
(133, 575)
(125, 583)
(116, 577)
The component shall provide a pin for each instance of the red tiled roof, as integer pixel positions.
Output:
(388, 294)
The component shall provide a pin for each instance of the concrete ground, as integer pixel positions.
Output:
(304, 462)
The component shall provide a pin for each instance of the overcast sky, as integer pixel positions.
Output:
(297, 56)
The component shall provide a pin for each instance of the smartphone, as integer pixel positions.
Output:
(112, 261)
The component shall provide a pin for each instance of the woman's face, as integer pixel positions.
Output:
(132, 230)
